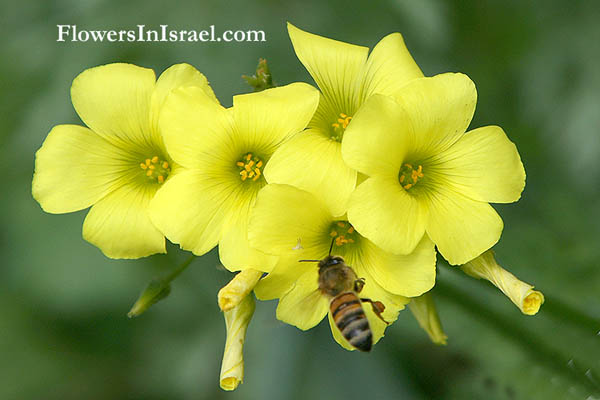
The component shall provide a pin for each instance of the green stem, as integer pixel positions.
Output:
(529, 342)
(175, 273)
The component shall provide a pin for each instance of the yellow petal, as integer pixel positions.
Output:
(484, 165)
(312, 162)
(114, 101)
(382, 211)
(304, 306)
(520, 293)
(379, 137)
(424, 311)
(460, 227)
(234, 249)
(120, 226)
(389, 67)
(440, 108)
(283, 215)
(197, 131)
(236, 322)
(335, 66)
(266, 119)
(282, 278)
(190, 210)
(173, 77)
(407, 275)
(75, 168)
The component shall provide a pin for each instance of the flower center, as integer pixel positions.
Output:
(339, 127)
(409, 176)
(250, 167)
(343, 232)
(156, 169)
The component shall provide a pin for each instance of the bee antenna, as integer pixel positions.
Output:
(309, 260)
(331, 246)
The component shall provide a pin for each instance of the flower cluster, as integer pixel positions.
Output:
(361, 179)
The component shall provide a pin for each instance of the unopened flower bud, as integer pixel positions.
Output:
(156, 290)
(520, 293)
(424, 311)
(238, 288)
(236, 321)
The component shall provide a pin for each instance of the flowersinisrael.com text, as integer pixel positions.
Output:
(71, 33)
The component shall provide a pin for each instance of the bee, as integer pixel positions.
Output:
(338, 281)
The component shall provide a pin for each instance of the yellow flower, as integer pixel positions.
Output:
(424, 311)
(426, 175)
(312, 160)
(222, 153)
(520, 293)
(116, 164)
(285, 215)
(236, 322)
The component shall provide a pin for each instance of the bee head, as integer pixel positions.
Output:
(330, 261)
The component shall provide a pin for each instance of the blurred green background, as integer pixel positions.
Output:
(64, 333)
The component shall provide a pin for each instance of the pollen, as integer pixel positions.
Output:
(410, 176)
(342, 232)
(339, 126)
(156, 169)
(250, 167)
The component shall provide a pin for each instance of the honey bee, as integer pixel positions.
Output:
(338, 281)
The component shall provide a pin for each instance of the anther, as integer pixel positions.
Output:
(156, 168)
(250, 167)
(410, 176)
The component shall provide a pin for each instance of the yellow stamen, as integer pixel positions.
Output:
(409, 176)
(341, 224)
(333, 233)
(343, 115)
(336, 125)
(156, 168)
(351, 229)
(250, 167)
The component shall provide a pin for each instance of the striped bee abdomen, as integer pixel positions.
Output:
(349, 316)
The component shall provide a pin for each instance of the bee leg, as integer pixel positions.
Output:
(359, 284)
(378, 308)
